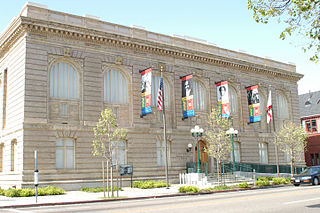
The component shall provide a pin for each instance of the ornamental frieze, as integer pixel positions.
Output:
(146, 47)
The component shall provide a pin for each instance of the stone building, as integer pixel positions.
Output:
(310, 119)
(58, 71)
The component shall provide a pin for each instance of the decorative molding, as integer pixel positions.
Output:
(119, 60)
(67, 51)
(98, 37)
(66, 133)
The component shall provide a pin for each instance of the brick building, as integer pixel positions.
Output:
(310, 119)
(58, 71)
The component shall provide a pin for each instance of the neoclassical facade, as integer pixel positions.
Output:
(58, 71)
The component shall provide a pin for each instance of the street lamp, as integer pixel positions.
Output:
(196, 132)
(232, 132)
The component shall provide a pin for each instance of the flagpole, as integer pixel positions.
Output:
(275, 145)
(164, 128)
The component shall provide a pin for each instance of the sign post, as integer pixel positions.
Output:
(36, 173)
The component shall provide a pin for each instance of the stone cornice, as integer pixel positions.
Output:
(47, 28)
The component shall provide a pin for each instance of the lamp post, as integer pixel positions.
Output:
(232, 132)
(196, 132)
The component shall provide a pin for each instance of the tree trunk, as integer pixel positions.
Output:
(108, 178)
(112, 192)
(291, 163)
(103, 182)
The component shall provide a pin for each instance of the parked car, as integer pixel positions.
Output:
(310, 175)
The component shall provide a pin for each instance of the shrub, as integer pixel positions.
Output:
(265, 178)
(50, 190)
(262, 183)
(210, 189)
(136, 184)
(149, 184)
(222, 187)
(98, 189)
(2, 192)
(188, 189)
(243, 185)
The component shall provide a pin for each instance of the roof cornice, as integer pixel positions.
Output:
(47, 28)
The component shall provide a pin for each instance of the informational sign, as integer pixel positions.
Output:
(254, 104)
(187, 97)
(146, 78)
(126, 170)
(223, 98)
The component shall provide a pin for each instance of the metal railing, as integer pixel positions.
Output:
(263, 168)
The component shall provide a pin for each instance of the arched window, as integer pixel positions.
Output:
(115, 87)
(233, 98)
(64, 153)
(155, 88)
(63, 81)
(199, 95)
(282, 109)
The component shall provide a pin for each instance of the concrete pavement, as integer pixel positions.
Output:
(83, 197)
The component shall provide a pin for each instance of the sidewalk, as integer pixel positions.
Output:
(82, 197)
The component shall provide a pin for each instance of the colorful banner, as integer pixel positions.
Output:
(223, 98)
(187, 97)
(146, 91)
(254, 104)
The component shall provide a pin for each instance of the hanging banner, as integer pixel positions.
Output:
(223, 98)
(254, 104)
(187, 97)
(146, 76)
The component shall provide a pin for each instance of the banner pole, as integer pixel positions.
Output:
(275, 145)
(164, 128)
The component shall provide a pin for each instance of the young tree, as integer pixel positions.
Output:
(300, 16)
(106, 133)
(219, 143)
(291, 139)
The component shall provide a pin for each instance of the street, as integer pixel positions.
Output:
(283, 199)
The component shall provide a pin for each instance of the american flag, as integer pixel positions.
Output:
(269, 108)
(160, 95)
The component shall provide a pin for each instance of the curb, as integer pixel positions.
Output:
(137, 198)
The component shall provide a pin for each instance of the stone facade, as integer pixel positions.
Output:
(33, 120)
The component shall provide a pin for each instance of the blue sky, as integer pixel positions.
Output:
(227, 24)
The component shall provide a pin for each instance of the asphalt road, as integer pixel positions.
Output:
(284, 199)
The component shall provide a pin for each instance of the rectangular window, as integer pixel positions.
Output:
(65, 153)
(287, 155)
(161, 153)
(64, 109)
(263, 153)
(317, 159)
(312, 159)
(4, 100)
(118, 152)
(13, 154)
(314, 126)
(308, 126)
(236, 146)
(1, 157)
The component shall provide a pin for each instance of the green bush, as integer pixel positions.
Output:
(98, 189)
(149, 184)
(2, 192)
(279, 180)
(262, 183)
(265, 178)
(188, 189)
(210, 189)
(222, 187)
(243, 185)
(27, 192)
